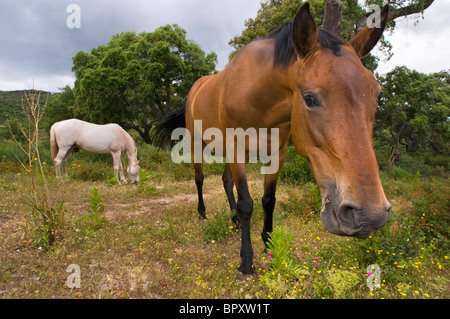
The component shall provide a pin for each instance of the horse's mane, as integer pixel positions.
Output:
(284, 51)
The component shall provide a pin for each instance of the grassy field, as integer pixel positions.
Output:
(145, 241)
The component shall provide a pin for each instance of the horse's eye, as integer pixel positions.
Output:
(311, 100)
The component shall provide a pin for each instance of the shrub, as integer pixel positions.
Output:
(281, 259)
(182, 172)
(10, 152)
(7, 186)
(94, 220)
(44, 223)
(296, 170)
(218, 227)
(343, 282)
(400, 173)
(430, 207)
(90, 171)
(303, 200)
(414, 164)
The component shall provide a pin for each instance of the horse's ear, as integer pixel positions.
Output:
(305, 32)
(367, 38)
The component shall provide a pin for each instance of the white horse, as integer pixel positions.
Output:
(93, 138)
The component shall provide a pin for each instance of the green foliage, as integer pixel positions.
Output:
(281, 269)
(274, 13)
(88, 171)
(8, 186)
(60, 107)
(431, 204)
(280, 256)
(44, 224)
(414, 111)
(94, 219)
(113, 180)
(144, 187)
(135, 80)
(342, 282)
(411, 250)
(296, 170)
(399, 173)
(11, 109)
(218, 227)
(95, 209)
(414, 237)
(9, 151)
(166, 230)
(303, 201)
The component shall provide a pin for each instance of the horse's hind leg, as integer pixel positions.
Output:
(228, 185)
(199, 177)
(61, 160)
(64, 161)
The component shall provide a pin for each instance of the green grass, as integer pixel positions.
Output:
(149, 243)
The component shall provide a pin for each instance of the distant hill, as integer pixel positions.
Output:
(11, 108)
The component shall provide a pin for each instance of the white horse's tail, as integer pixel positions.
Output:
(53, 143)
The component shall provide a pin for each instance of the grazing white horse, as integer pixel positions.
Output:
(93, 138)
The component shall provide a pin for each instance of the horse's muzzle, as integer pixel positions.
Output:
(353, 220)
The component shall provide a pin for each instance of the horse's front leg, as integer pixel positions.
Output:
(199, 177)
(118, 169)
(122, 177)
(268, 199)
(244, 213)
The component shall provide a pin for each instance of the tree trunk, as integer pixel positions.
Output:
(332, 16)
(394, 158)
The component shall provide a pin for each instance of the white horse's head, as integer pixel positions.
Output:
(133, 171)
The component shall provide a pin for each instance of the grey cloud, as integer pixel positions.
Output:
(36, 42)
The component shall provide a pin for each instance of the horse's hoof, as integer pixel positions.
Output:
(246, 278)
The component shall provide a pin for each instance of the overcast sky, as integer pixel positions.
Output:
(36, 44)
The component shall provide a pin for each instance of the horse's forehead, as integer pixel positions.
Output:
(345, 68)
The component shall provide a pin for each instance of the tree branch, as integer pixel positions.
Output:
(395, 13)
(408, 10)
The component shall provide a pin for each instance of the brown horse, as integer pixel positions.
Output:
(313, 86)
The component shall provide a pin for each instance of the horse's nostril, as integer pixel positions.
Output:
(348, 215)
(360, 222)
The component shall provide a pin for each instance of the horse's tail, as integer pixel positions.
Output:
(54, 148)
(169, 123)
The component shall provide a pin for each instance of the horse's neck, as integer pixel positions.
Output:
(130, 148)
(270, 86)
